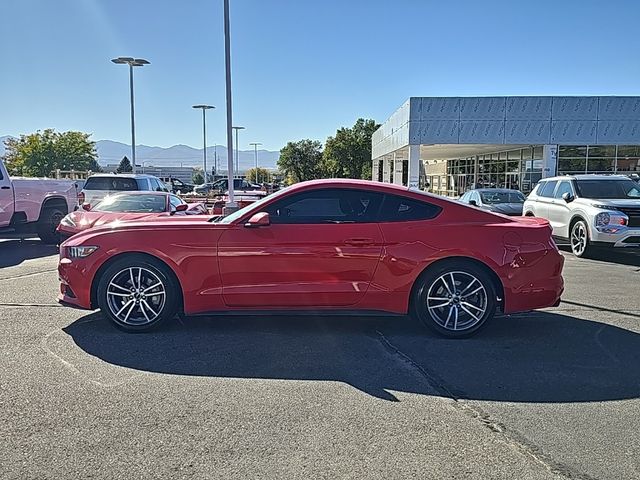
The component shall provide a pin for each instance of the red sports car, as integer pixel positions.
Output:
(124, 207)
(320, 246)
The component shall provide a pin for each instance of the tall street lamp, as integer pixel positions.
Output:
(204, 108)
(231, 205)
(255, 150)
(237, 151)
(132, 62)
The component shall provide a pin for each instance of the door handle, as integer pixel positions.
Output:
(358, 242)
(4, 187)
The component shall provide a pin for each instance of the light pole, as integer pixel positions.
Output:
(231, 205)
(215, 155)
(132, 62)
(204, 136)
(255, 150)
(237, 151)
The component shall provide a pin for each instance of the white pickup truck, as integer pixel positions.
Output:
(34, 204)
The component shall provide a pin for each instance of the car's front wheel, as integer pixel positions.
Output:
(580, 244)
(137, 294)
(456, 299)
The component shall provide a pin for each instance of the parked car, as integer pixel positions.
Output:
(222, 185)
(121, 207)
(497, 200)
(34, 204)
(97, 187)
(241, 198)
(323, 245)
(589, 210)
(175, 185)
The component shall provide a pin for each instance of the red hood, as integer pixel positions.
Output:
(84, 220)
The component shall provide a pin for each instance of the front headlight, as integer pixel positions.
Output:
(80, 252)
(603, 219)
(67, 221)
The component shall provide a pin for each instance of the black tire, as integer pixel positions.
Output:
(111, 299)
(579, 240)
(47, 224)
(448, 307)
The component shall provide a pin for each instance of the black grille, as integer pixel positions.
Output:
(633, 213)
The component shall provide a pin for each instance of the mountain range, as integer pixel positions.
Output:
(110, 152)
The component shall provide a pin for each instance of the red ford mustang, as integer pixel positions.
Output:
(125, 207)
(324, 245)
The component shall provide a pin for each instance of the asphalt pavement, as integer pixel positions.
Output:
(547, 394)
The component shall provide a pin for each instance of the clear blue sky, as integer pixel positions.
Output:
(301, 68)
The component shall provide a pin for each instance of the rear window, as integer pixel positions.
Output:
(402, 209)
(111, 184)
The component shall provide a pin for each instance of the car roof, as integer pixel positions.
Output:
(121, 193)
(587, 176)
(125, 175)
(493, 190)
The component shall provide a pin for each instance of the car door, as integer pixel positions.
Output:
(6, 198)
(544, 198)
(320, 250)
(559, 212)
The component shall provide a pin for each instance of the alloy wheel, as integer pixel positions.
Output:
(579, 239)
(136, 296)
(457, 301)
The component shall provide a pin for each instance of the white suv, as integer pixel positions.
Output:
(99, 186)
(589, 210)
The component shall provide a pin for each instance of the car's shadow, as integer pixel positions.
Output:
(630, 256)
(537, 357)
(14, 252)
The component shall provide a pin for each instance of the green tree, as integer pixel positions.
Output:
(124, 166)
(258, 175)
(94, 166)
(40, 153)
(301, 160)
(197, 177)
(348, 153)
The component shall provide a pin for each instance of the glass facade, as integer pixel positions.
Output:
(598, 159)
(519, 169)
(522, 168)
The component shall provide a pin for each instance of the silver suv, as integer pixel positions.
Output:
(589, 210)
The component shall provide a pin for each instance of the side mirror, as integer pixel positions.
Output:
(86, 206)
(183, 207)
(473, 202)
(567, 197)
(260, 219)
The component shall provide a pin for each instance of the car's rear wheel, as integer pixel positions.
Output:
(137, 294)
(455, 299)
(580, 244)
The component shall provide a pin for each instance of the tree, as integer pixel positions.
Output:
(124, 166)
(197, 177)
(258, 175)
(40, 153)
(348, 153)
(94, 166)
(301, 160)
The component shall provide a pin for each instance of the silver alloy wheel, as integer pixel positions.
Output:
(457, 301)
(578, 238)
(136, 296)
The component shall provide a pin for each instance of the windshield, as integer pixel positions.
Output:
(133, 204)
(493, 198)
(608, 189)
(255, 205)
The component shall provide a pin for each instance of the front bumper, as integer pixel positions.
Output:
(616, 236)
(75, 287)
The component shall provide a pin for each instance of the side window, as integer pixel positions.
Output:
(174, 201)
(564, 187)
(546, 189)
(396, 208)
(475, 196)
(143, 184)
(465, 198)
(332, 205)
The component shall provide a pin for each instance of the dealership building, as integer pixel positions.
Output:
(448, 144)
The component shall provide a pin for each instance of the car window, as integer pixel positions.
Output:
(501, 196)
(111, 184)
(143, 184)
(546, 189)
(132, 203)
(608, 189)
(563, 187)
(475, 196)
(465, 197)
(396, 208)
(175, 201)
(331, 205)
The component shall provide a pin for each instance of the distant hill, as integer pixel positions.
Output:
(112, 152)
